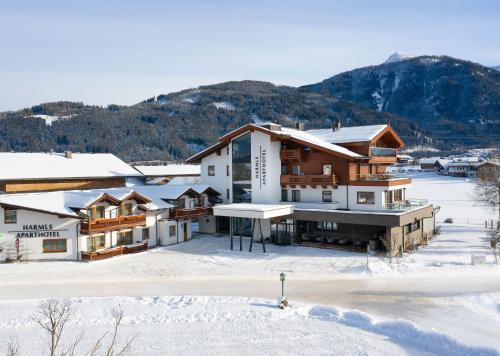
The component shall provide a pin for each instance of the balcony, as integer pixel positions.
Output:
(381, 179)
(382, 152)
(291, 154)
(113, 224)
(184, 213)
(308, 180)
(408, 204)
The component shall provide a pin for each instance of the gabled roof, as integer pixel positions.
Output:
(355, 134)
(30, 166)
(67, 203)
(172, 169)
(302, 137)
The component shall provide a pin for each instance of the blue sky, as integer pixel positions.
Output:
(123, 51)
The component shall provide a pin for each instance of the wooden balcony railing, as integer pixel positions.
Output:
(291, 154)
(110, 224)
(308, 180)
(381, 179)
(184, 213)
(114, 251)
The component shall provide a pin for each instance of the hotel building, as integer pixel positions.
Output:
(326, 187)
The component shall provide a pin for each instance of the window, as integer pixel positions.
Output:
(55, 245)
(327, 196)
(412, 227)
(284, 170)
(228, 193)
(125, 238)
(227, 170)
(126, 209)
(295, 195)
(99, 241)
(327, 225)
(99, 212)
(227, 150)
(211, 171)
(10, 216)
(145, 233)
(241, 163)
(398, 195)
(327, 170)
(172, 230)
(366, 198)
(284, 195)
(296, 170)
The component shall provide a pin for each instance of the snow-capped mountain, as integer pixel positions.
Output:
(398, 57)
(438, 93)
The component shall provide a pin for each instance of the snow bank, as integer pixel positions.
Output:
(230, 325)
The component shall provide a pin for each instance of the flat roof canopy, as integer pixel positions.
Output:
(253, 211)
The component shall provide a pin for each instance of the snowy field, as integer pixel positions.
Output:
(435, 287)
(229, 326)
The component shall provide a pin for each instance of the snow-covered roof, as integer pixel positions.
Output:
(348, 134)
(68, 202)
(315, 139)
(56, 165)
(170, 170)
(255, 211)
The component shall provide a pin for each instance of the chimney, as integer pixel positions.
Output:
(68, 154)
(300, 126)
(336, 125)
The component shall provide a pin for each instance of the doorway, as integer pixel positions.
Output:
(185, 229)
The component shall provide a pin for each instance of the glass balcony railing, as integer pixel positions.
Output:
(382, 152)
(407, 204)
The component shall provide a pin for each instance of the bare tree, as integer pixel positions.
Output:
(494, 242)
(487, 189)
(113, 349)
(52, 317)
(12, 348)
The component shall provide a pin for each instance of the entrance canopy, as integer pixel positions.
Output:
(252, 211)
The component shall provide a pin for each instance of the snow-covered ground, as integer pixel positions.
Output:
(228, 326)
(436, 287)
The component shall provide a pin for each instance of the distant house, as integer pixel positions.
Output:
(405, 160)
(433, 163)
(163, 174)
(31, 172)
(467, 168)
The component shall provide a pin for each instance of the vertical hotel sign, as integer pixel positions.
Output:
(260, 168)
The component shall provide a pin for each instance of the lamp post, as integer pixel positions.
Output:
(282, 279)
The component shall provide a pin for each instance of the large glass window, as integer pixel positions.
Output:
(284, 195)
(327, 196)
(296, 195)
(125, 238)
(242, 169)
(366, 198)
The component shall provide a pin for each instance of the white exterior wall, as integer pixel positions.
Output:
(32, 248)
(164, 232)
(220, 181)
(266, 169)
(207, 224)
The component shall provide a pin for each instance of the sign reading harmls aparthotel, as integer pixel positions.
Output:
(260, 168)
(37, 231)
(266, 169)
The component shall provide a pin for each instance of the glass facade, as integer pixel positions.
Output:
(242, 169)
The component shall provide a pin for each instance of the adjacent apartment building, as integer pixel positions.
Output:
(43, 214)
(334, 181)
